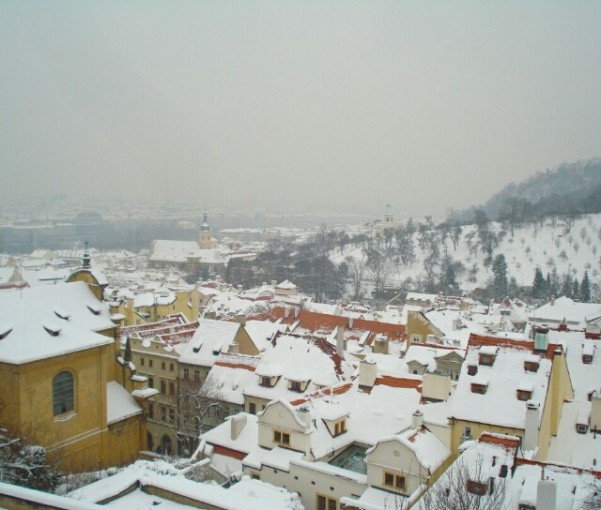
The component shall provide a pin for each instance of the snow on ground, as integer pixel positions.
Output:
(531, 246)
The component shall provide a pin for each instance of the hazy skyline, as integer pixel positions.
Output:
(341, 105)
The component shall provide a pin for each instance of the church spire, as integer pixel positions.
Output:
(85, 260)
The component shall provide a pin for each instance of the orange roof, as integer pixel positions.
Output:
(314, 321)
(481, 340)
(399, 382)
(325, 392)
(505, 441)
(521, 462)
(235, 365)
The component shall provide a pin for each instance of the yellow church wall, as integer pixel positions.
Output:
(74, 436)
(10, 413)
(125, 440)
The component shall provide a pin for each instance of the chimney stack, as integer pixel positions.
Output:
(237, 424)
(417, 420)
(531, 425)
(546, 495)
(340, 341)
(368, 373)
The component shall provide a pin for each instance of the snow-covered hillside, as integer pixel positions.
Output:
(551, 247)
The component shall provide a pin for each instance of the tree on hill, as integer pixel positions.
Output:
(566, 288)
(585, 289)
(500, 283)
(539, 286)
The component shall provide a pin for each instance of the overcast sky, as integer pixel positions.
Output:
(347, 105)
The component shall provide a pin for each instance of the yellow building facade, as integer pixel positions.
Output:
(59, 372)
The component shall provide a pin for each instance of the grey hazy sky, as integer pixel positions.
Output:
(331, 104)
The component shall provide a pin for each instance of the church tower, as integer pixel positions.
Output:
(205, 239)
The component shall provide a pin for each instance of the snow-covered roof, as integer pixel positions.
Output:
(499, 405)
(564, 308)
(180, 251)
(229, 375)
(119, 403)
(320, 366)
(38, 331)
(174, 487)
(210, 339)
(428, 449)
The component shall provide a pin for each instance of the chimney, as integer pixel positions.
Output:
(350, 322)
(417, 420)
(241, 319)
(295, 312)
(286, 311)
(340, 341)
(368, 372)
(237, 424)
(546, 495)
(596, 411)
(531, 425)
(274, 283)
(304, 416)
(541, 339)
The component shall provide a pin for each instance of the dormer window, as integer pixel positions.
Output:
(479, 385)
(298, 386)
(581, 428)
(4, 331)
(52, 329)
(524, 390)
(477, 488)
(587, 353)
(339, 427)
(531, 366)
(95, 309)
(61, 314)
(531, 363)
(487, 355)
(267, 382)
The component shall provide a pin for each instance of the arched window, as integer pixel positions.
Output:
(62, 393)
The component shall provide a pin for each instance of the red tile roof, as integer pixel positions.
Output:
(481, 340)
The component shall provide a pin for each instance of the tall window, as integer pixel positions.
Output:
(281, 437)
(326, 503)
(62, 393)
(395, 481)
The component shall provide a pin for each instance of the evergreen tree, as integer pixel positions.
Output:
(585, 289)
(575, 289)
(566, 288)
(539, 285)
(500, 283)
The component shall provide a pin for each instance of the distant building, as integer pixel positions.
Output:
(200, 258)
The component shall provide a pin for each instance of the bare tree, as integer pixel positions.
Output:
(25, 465)
(356, 272)
(465, 486)
(200, 408)
(379, 267)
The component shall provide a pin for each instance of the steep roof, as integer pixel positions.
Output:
(47, 321)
